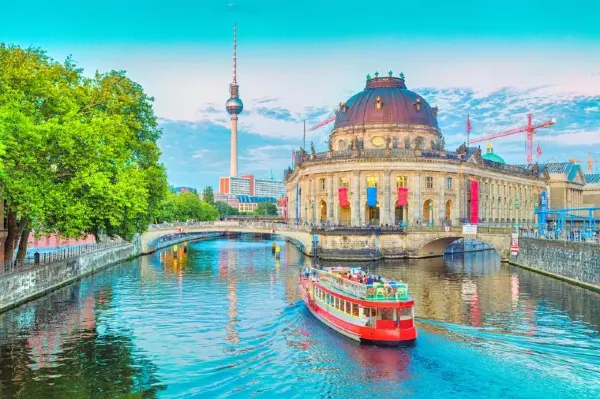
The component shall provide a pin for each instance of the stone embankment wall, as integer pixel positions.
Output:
(36, 280)
(576, 262)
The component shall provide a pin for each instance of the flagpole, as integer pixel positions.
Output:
(304, 136)
(468, 129)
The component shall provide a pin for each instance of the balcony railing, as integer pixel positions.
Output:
(404, 153)
(44, 256)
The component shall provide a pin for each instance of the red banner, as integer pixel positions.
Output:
(402, 197)
(474, 201)
(343, 194)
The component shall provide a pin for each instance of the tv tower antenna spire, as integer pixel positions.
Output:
(234, 107)
(234, 53)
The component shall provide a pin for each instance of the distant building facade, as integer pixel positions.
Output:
(183, 190)
(249, 203)
(248, 185)
(234, 185)
(269, 188)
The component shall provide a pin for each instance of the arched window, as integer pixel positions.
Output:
(401, 181)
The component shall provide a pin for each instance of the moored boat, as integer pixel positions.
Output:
(361, 306)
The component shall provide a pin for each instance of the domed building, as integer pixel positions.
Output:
(387, 165)
(490, 156)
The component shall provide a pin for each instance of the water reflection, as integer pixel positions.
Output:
(225, 318)
(58, 347)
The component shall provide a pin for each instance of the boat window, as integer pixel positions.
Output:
(370, 312)
(387, 314)
(405, 313)
(348, 307)
(355, 309)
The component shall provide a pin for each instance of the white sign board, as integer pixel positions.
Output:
(470, 229)
(514, 244)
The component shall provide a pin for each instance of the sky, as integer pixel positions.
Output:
(495, 61)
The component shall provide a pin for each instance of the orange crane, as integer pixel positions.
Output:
(529, 129)
(329, 119)
(590, 163)
(325, 122)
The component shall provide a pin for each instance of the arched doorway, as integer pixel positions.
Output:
(372, 214)
(323, 211)
(345, 216)
(401, 215)
(448, 217)
(428, 212)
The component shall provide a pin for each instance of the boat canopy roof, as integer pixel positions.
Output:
(345, 279)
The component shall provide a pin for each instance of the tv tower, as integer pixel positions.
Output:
(234, 107)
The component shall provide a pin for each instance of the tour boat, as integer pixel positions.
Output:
(366, 308)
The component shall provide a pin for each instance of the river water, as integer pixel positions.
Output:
(225, 320)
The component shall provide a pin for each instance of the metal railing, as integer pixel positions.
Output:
(177, 225)
(575, 235)
(58, 254)
(390, 290)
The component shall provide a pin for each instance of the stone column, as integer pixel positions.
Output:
(362, 211)
(314, 206)
(301, 200)
(330, 198)
(384, 211)
(441, 213)
(419, 203)
(355, 207)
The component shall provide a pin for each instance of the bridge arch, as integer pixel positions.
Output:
(155, 240)
(437, 246)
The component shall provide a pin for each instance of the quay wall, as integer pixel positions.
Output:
(575, 262)
(36, 280)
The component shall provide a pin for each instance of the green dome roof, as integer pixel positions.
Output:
(493, 157)
(490, 156)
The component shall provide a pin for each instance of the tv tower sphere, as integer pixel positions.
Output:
(234, 106)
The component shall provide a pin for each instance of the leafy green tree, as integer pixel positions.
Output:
(225, 209)
(209, 195)
(266, 210)
(184, 207)
(81, 155)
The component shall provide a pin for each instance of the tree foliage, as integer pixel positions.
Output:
(266, 210)
(209, 195)
(225, 209)
(184, 207)
(80, 152)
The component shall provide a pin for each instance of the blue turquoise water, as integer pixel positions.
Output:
(225, 320)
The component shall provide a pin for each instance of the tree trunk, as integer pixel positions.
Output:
(11, 237)
(22, 224)
(23, 242)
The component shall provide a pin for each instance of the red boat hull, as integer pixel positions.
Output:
(396, 336)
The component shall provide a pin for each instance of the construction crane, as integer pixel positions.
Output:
(590, 162)
(325, 122)
(529, 129)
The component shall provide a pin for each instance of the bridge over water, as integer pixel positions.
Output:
(337, 243)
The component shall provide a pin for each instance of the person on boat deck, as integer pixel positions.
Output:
(369, 280)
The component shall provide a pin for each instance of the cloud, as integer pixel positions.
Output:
(575, 138)
(199, 154)
(278, 113)
(196, 154)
